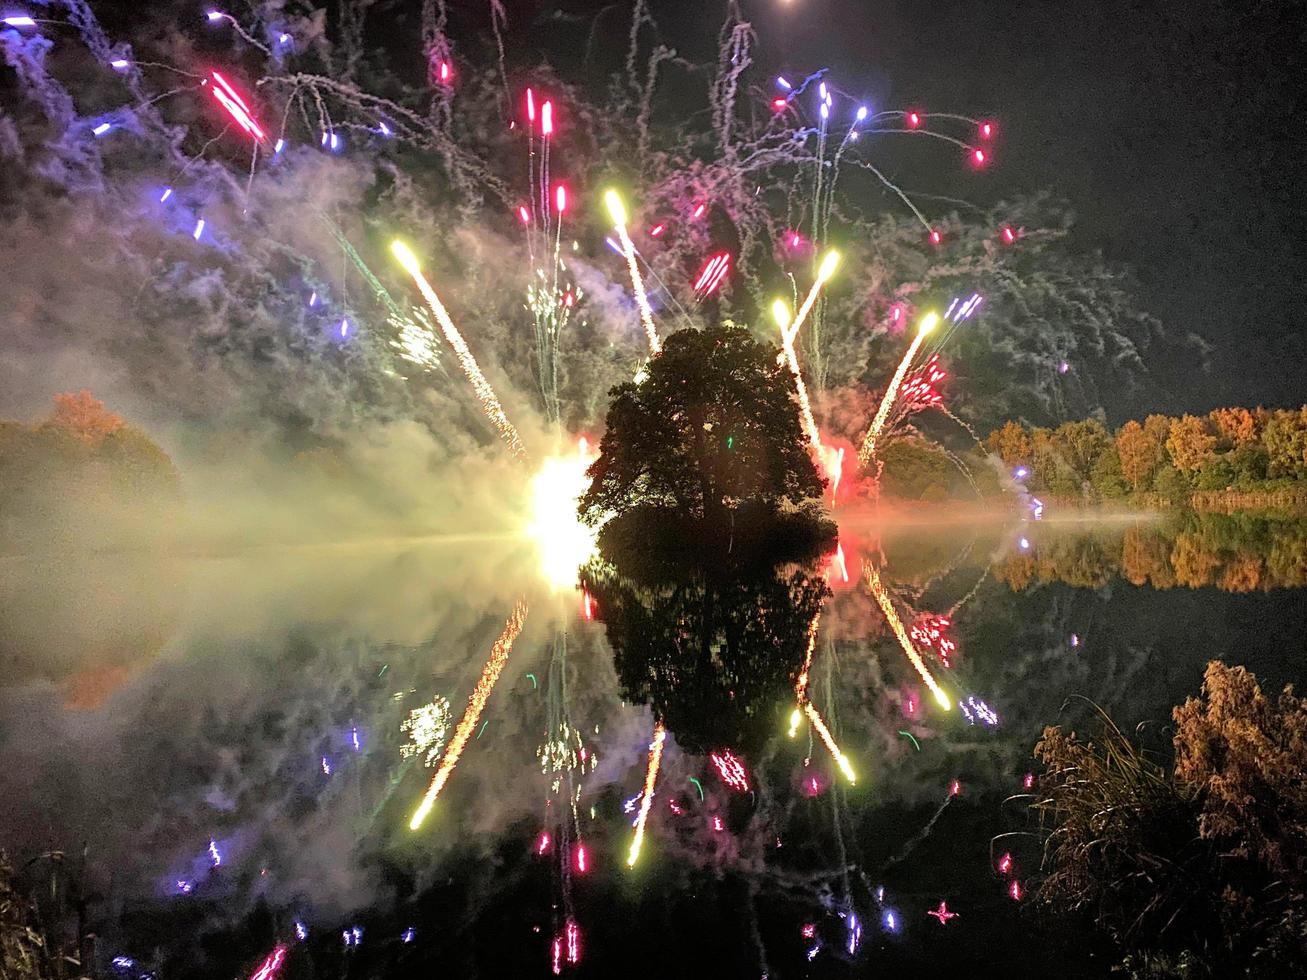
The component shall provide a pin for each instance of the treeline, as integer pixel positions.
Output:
(1232, 450)
(1239, 553)
(82, 475)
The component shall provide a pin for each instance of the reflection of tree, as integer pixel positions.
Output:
(715, 655)
(1234, 553)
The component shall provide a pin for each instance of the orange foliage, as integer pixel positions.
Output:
(85, 417)
(1242, 574)
(1011, 444)
(1140, 451)
(1237, 426)
(1193, 564)
(1245, 751)
(1190, 444)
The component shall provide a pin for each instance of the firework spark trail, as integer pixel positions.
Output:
(489, 400)
(801, 685)
(969, 430)
(269, 967)
(646, 800)
(618, 212)
(782, 315)
(230, 100)
(868, 450)
(731, 769)
(475, 705)
(824, 272)
(931, 631)
(819, 726)
(830, 459)
(801, 688)
(896, 624)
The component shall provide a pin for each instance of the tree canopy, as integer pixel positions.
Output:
(711, 424)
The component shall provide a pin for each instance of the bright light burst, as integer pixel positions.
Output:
(920, 389)
(475, 705)
(485, 393)
(646, 799)
(896, 624)
(563, 543)
(942, 913)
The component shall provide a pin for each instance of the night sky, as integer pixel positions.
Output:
(1174, 130)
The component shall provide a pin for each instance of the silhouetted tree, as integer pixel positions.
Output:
(715, 656)
(712, 424)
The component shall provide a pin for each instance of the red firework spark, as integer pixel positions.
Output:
(713, 272)
(731, 769)
(230, 100)
(930, 631)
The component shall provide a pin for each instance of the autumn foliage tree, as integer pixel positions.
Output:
(1190, 443)
(82, 476)
(1010, 443)
(1236, 427)
(1231, 449)
(1141, 453)
(85, 417)
(1286, 443)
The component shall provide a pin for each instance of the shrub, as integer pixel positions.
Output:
(1200, 864)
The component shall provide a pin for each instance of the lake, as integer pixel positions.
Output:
(229, 750)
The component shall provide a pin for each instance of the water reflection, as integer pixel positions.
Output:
(1234, 553)
(715, 653)
(161, 709)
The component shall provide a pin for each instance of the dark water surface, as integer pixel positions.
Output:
(221, 738)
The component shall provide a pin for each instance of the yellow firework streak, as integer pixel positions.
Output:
(801, 686)
(896, 624)
(824, 734)
(646, 801)
(617, 210)
(827, 268)
(486, 394)
(475, 705)
(781, 313)
(868, 449)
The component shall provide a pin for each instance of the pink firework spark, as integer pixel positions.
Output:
(230, 100)
(731, 769)
(921, 388)
(573, 942)
(931, 632)
(269, 967)
(713, 272)
(942, 913)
